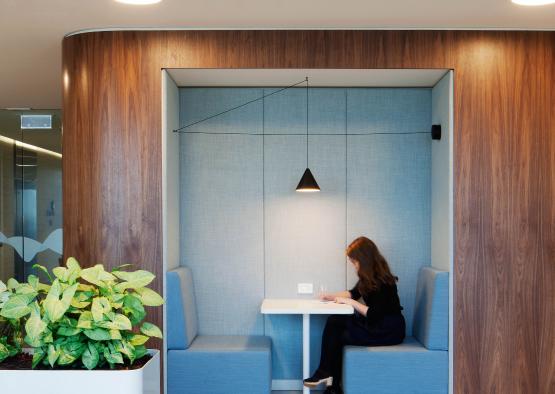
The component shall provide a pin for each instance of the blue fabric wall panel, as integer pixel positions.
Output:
(221, 230)
(326, 112)
(200, 103)
(285, 112)
(389, 110)
(222, 213)
(388, 200)
(305, 232)
(286, 333)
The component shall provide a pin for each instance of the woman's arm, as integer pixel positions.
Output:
(333, 296)
(359, 307)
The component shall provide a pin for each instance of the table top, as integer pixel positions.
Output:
(280, 306)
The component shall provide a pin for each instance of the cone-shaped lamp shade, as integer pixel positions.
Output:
(308, 183)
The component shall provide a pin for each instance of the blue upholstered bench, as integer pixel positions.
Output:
(421, 363)
(200, 364)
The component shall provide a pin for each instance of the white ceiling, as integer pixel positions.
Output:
(317, 77)
(31, 31)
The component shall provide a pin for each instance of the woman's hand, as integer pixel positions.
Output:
(343, 300)
(333, 296)
(327, 297)
(360, 308)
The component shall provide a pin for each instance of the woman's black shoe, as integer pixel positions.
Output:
(319, 377)
(333, 390)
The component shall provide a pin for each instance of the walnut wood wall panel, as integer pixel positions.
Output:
(504, 166)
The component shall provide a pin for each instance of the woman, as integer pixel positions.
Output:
(376, 322)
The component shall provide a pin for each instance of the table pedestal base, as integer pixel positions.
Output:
(306, 350)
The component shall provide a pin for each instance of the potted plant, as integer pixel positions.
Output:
(85, 332)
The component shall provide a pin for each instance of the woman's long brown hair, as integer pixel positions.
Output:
(374, 270)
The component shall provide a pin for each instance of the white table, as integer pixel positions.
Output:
(306, 308)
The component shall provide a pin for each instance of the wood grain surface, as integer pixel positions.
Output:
(504, 141)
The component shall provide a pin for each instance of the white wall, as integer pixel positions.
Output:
(442, 176)
(442, 193)
(170, 171)
(170, 190)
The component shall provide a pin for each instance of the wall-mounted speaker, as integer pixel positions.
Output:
(436, 131)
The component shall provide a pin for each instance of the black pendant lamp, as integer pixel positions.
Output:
(307, 182)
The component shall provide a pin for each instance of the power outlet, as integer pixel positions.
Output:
(305, 288)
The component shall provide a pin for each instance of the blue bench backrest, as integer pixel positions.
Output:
(431, 311)
(181, 310)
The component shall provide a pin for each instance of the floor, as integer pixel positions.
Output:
(295, 392)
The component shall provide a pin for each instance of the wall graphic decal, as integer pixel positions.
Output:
(28, 248)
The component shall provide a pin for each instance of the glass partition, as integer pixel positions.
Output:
(30, 191)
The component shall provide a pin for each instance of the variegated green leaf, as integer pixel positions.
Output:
(12, 284)
(25, 288)
(125, 348)
(133, 280)
(70, 351)
(17, 306)
(58, 302)
(43, 269)
(85, 287)
(113, 357)
(98, 334)
(4, 296)
(38, 355)
(35, 327)
(140, 351)
(117, 322)
(53, 355)
(100, 306)
(74, 270)
(66, 331)
(149, 297)
(133, 308)
(90, 357)
(85, 320)
(97, 275)
(4, 352)
(151, 330)
(115, 334)
(33, 281)
(138, 339)
(60, 273)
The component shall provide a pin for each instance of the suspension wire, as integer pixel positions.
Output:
(243, 105)
(306, 122)
(304, 134)
(346, 178)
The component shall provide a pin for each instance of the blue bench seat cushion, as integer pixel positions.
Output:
(181, 310)
(231, 343)
(431, 309)
(405, 368)
(221, 364)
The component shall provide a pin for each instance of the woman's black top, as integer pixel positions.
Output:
(381, 302)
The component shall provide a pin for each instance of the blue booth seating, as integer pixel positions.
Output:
(421, 363)
(200, 364)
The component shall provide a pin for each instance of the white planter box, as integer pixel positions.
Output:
(137, 381)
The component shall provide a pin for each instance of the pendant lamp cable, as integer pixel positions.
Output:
(245, 104)
(306, 122)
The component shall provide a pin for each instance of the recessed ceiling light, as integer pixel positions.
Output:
(139, 2)
(533, 2)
